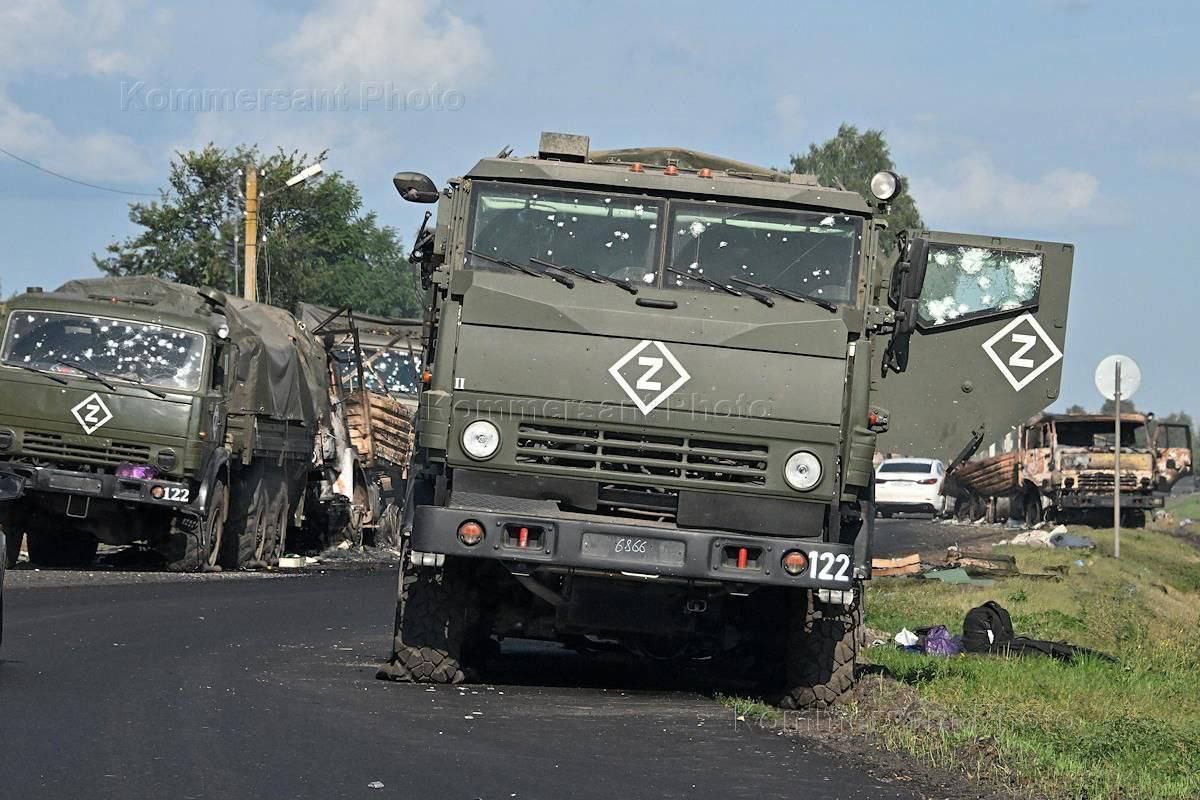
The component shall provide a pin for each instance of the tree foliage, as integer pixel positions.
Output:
(315, 241)
(850, 159)
(1076, 409)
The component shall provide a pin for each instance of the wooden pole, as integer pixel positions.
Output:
(251, 281)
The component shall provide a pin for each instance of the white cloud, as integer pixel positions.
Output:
(96, 155)
(60, 40)
(410, 43)
(975, 191)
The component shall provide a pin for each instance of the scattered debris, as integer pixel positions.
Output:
(978, 564)
(904, 565)
(906, 638)
(1056, 537)
(375, 785)
(956, 575)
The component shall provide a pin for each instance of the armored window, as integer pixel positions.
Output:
(603, 232)
(807, 253)
(965, 283)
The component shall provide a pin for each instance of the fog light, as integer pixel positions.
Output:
(795, 562)
(470, 533)
(157, 492)
(885, 185)
(481, 439)
(802, 471)
(167, 459)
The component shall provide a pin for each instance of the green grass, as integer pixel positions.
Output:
(1185, 507)
(1088, 729)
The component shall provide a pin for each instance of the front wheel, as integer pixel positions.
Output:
(198, 550)
(433, 617)
(821, 651)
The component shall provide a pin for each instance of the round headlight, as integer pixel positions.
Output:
(802, 471)
(885, 185)
(481, 439)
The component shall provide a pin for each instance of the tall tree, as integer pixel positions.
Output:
(850, 159)
(1076, 409)
(1127, 407)
(316, 242)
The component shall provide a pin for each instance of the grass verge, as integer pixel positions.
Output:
(1088, 729)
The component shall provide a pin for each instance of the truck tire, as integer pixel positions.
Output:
(199, 550)
(57, 549)
(249, 519)
(821, 651)
(12, 546)
(277, 524)
(431, 625)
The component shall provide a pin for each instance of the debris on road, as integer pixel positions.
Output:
(888, 567)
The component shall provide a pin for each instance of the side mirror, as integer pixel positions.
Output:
(914, 276)
(415, 187)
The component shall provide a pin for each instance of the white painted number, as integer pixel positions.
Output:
(654, 365)
(630, 546)
(177, 494)
(822, 566)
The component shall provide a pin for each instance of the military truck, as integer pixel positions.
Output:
(1062, 467)
(142, 411)
(12, 486)
(1174, 457)
(655, 383)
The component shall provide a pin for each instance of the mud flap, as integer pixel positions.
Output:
(986, 352)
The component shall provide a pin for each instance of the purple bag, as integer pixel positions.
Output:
(939, 642)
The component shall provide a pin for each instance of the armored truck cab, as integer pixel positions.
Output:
(145, 411)
(655, 380)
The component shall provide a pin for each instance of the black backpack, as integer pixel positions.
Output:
(986, 628)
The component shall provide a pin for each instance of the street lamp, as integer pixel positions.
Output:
(252, 198)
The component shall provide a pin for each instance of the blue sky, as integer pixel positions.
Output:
(1059, 119)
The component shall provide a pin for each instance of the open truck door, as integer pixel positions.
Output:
(979, 340)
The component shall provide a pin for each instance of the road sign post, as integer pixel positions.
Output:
(1117, 378)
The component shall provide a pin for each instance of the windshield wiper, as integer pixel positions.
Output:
(799, 298)
(88, 373)
(36, 371)
(705, 281)
(594, 277)
(99, 377)
(759, 296)
(504, 262)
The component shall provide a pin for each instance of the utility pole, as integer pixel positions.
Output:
(251, 281)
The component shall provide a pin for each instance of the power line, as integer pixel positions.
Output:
(40, 168)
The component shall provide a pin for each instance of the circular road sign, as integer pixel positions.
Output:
(1106, 377)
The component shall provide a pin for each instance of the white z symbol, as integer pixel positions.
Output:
(1027, 341)
(93, 415)
(644, 382)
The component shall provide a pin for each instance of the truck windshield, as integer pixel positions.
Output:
(803, 252)
(138, 352)
(387, 372)
(1101, 434)
(619, 235)
(610, 234)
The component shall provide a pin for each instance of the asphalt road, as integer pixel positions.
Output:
(130, 686)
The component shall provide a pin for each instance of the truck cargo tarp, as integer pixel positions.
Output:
(281, 367)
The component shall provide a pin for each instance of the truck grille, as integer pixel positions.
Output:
(52, 445)
(613, 453)
(1103, 481)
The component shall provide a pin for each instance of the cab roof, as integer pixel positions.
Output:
(647, 170)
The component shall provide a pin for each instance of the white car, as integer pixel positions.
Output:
(910, 484)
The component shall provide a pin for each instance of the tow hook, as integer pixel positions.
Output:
(696, 606)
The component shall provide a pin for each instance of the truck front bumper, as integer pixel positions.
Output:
(102, 486)
(617, 546)
(1128, 500)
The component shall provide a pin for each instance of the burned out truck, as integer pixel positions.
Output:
(655, 384)
(375, 375)
(1062, 467)
(142, 411)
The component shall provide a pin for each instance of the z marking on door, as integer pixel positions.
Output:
(1016, 366)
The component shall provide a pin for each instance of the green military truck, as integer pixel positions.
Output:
(142, 411)
(656, 380)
